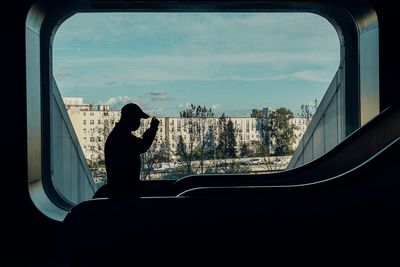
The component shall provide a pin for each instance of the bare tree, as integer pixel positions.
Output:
(195, 123)
(157, 153)
(308, 111)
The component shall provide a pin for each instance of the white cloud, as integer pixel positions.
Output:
(215, 106)
(160, 98)
(117, 102)
(192, 47)
(159, 95)
(147, 70)
(185, 105)
(314, 75)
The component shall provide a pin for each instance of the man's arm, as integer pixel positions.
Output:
(149, 135)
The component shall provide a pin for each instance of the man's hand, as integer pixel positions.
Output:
(154, 122)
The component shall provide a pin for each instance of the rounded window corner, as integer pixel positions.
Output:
(44, 203)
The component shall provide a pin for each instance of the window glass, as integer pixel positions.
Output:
(234, 92)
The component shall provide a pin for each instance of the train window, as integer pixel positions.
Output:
(232, 89)
(239, 88)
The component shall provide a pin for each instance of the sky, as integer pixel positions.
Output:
(229, 62)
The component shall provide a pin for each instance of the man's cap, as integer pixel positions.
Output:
(134, 111)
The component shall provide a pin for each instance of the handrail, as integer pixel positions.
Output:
(223, 191)
(352, 151)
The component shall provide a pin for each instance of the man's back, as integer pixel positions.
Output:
(122, 157)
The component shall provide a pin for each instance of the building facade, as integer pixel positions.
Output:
(92, 125)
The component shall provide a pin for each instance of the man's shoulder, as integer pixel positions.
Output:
(118, 135)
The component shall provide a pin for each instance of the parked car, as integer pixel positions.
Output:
(254, 161)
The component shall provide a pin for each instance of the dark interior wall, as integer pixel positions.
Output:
(389, 56)
(18, 215)
(24, 230)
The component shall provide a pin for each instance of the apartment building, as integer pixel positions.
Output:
(92, 125)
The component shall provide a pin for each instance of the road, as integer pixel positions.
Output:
(240, 165)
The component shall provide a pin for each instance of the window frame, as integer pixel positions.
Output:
(350, 20)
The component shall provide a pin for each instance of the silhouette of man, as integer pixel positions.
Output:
(123, 149)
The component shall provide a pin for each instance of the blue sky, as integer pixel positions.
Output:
(231, 62)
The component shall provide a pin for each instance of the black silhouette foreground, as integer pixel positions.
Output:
(122, 153)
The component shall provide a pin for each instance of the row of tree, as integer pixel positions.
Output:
(216, 143)
(210, 141)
